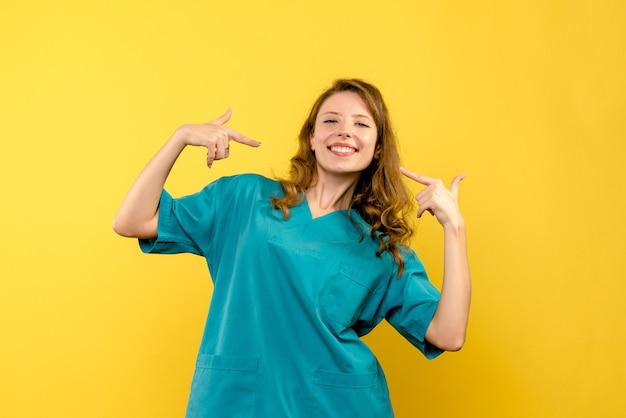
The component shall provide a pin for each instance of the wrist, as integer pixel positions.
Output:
(455, 225)
(179, 138)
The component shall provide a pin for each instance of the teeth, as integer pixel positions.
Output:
(342, 150)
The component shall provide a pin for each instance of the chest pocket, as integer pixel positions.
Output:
(345, 296)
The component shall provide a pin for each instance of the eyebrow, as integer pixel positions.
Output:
(339, 114)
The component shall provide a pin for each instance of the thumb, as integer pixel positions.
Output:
(222, 119)
(454, 186)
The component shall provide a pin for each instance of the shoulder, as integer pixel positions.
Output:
(245, 184)
(412, 263)
(245, 179)
(408, 254)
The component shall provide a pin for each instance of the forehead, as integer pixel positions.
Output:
(345, 102)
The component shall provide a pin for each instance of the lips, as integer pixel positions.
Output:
(342, 149)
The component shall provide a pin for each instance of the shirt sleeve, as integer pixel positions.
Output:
(185, 224)
(410, 303)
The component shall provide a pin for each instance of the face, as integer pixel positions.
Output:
(345, 136)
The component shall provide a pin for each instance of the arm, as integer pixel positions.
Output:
(448, 327)
(139, 212)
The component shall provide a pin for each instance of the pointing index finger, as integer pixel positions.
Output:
(242, 139)
(417, 177)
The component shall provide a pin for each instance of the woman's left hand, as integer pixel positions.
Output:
(437, 199)
(448, 327)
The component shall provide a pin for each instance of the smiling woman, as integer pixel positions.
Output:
(305, 266)
(344, 141)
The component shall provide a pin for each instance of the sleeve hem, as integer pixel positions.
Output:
(165, 243)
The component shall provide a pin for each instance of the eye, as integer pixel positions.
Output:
(363, 125)
(330, 121)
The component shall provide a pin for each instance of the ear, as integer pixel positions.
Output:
(312, 142)
(377, 152)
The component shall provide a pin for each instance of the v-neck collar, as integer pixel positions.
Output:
(342, 213)
(307, 207)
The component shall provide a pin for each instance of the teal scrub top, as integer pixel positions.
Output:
(291, 299)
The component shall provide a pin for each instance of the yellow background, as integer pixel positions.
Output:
(527, 97)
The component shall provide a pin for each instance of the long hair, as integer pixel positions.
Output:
(380, 196)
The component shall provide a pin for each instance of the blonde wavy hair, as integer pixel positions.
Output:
(380, 196)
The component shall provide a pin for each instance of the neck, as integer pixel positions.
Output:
(327, 195)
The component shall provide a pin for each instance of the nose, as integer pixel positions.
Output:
(345, 131)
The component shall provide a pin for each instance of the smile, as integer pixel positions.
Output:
(342, 150)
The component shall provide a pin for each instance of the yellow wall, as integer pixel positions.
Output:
(527, 97)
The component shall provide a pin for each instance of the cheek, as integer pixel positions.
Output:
(374, 146)
(317, 137)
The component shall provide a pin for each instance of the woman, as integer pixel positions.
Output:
(304, 266)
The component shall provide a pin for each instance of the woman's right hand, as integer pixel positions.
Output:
(214, 136)
(139, 212)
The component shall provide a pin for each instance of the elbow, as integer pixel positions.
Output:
(119, 228)
(449, 344)
(133, 229)
(450, 340)
(122, 228)
(453, 344)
